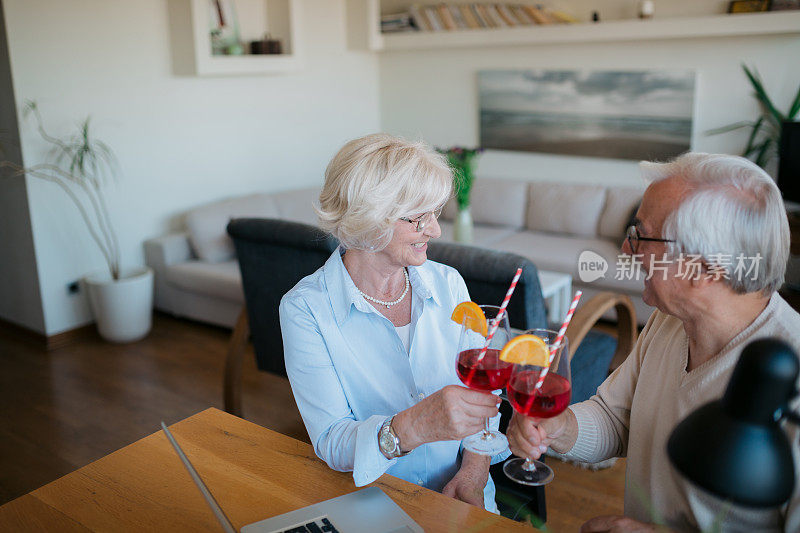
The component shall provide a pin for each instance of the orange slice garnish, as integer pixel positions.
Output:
(471, 315)
(526, 350)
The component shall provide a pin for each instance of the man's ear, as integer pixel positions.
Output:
(701, 281)
(706, 277)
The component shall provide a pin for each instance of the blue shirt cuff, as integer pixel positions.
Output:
(370, 463)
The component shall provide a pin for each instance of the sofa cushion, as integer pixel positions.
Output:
(620, 202)
(498, 202)
(564, 208)
(482, 235)
(218, 280)
(206, 224)
(298, 205)
(560, 254)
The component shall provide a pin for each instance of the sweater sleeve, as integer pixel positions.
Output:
(604, 419)
(344, 443)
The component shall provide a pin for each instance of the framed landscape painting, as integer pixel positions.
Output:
(641, 115)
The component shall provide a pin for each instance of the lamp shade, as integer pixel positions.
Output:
(734, 447)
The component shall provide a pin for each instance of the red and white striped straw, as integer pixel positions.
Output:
(559, 338)
(500, 313)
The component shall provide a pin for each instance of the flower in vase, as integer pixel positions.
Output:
(462, 161)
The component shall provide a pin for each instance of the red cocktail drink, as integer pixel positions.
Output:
(550, 400)
(487, 374)
(479, 367)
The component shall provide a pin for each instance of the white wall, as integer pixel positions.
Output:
(433, 94)
(181, 141)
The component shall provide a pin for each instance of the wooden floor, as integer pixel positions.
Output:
(65, 408)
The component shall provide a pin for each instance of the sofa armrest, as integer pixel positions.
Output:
(167, 250)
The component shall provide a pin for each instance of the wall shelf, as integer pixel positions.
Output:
(779, 22)
(191, 45)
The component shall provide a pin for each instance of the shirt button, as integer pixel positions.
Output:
(421, 396)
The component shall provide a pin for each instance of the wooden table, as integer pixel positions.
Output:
(254, 473)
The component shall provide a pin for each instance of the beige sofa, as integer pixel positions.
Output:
(197, 276)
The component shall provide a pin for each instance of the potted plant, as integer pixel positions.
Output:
(462, 161)
(765, 132)
(121, 300)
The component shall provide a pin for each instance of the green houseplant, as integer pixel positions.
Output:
(462, 161)
(81, 166)
(765, 132)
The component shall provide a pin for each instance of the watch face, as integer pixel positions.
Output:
(387, 443)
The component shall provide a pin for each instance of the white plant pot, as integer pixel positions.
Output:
(462, 229)
(123, 308)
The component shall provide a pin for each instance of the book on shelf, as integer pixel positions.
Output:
(563, 18)
(520, 14)
(538, 14)
(398, 22)
(478, 15)
(488, 19)
(491, 10)
(469, 17)
(455, 12)
(505, 13)
(432, 13)
(447, 18)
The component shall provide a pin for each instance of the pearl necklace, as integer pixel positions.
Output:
(387, 304)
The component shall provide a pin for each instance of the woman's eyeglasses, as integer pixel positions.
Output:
(424, 219)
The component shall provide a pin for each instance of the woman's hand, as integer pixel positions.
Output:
(468, 483)
(451, 413)
(530, 437)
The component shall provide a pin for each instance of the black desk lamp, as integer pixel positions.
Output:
(734, 447)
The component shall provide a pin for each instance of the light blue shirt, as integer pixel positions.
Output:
(350, 371)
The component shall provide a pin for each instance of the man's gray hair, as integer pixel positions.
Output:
(733, 216)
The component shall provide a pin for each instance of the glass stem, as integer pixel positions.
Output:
(487, 435)
(528, 465)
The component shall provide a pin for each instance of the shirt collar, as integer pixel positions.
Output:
(344, 295)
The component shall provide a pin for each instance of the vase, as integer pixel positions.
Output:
(123, 308)
(462, 229)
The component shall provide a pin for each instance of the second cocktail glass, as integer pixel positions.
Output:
(484, 374)
(549, 400)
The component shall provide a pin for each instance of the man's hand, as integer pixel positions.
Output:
(619, 524)
(468, 483)
(530, 437)
(451, 413)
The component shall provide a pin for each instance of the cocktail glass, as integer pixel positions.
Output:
(487, 373)
(545, 402)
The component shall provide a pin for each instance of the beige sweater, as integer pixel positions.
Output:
(639, 405)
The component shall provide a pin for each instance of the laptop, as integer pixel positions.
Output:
(367, 510)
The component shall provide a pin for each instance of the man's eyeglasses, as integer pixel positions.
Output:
(633, 237)
(424, 219)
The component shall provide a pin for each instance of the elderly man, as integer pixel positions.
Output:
(724, 215)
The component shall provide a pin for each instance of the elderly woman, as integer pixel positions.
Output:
(368, 341)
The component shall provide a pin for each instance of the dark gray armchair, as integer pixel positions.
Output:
(273, 256)
(488, 274)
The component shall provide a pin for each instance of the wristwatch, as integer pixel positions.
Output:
(388, 442)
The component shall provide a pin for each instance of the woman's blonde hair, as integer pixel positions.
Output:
(373, 181)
